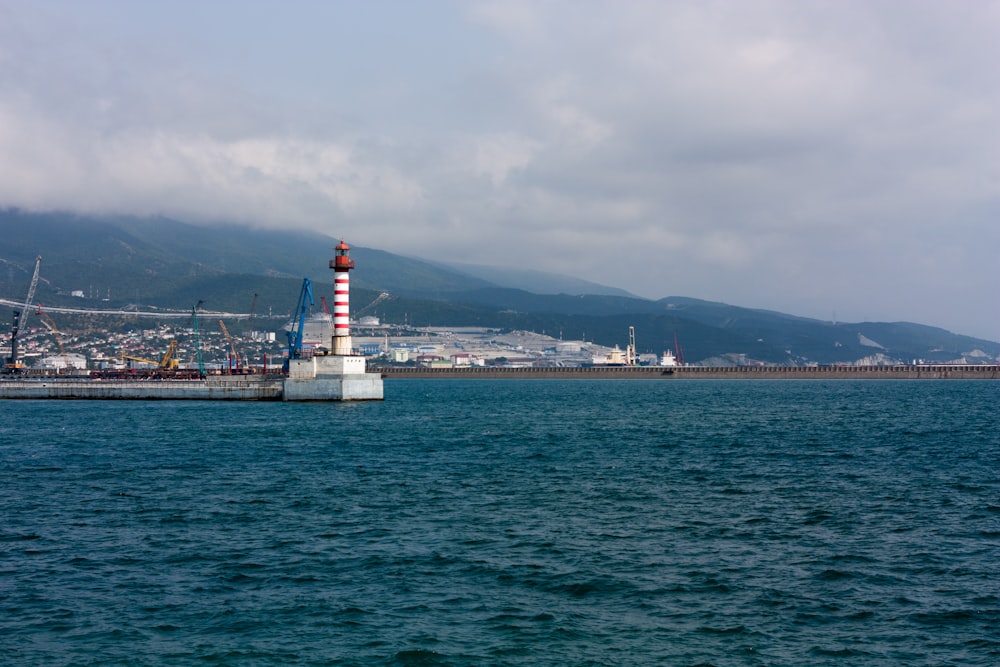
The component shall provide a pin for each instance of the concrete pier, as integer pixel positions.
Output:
(346, 379)
(315, 379)
(221, 388)
(331, 378)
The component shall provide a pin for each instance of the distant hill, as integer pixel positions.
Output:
(538, 282)
(165, 263)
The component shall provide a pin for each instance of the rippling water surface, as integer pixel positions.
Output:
(537, 522)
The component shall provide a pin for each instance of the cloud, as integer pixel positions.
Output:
(498, 155)
(807, 157)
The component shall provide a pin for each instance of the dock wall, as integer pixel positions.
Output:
(368, 386)
(303, 385)
(215, 389)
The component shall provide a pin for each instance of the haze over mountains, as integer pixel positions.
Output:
(164, 263)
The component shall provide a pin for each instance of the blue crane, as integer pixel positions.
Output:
(299, 321)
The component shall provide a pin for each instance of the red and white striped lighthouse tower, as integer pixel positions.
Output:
(341, 264)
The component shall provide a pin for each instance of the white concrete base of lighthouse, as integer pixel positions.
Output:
(331, 378)
(342, 346)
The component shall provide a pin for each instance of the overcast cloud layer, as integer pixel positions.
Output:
(827, 159)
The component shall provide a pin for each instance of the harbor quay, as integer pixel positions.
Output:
(248, 388)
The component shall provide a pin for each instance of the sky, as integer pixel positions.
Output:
(830, 159)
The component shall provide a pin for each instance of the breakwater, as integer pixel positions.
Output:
(275, 388)
(222, 388)
(902, 372)
(319, 379)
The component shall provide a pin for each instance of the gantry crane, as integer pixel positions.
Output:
(13, 362)
(630, 353)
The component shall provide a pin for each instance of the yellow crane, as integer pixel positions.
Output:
(168, 362)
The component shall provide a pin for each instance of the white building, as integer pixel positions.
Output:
(317, 330)
(63, 362)
(462, 359)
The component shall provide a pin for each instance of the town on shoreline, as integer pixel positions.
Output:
(398, 351)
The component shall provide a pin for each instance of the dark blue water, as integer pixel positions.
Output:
(477, 522)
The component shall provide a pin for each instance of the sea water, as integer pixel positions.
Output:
(509, 522)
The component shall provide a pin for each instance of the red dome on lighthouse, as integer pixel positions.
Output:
(342, 261)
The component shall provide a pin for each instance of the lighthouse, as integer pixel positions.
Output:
(341, 265)
(340, 375)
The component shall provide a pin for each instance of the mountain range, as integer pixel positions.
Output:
(119, 262)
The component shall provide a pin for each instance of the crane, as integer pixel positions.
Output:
(167, 362)
(382, 296)
(13, 363)
(299, 320)
(143, 360)
(630, 354)
(47, 321)
(232, 346)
